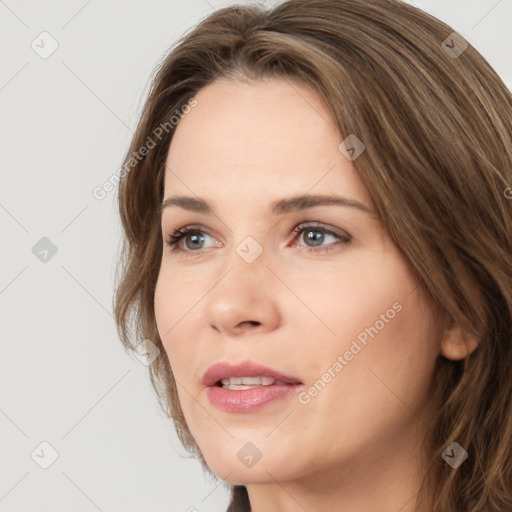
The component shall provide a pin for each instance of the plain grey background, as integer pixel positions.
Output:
(66, 120)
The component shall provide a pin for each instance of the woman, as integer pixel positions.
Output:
(318, 238)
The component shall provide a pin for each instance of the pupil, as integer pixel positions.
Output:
(315, 238)
(196, 237)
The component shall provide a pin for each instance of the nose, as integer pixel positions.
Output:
(244, 300)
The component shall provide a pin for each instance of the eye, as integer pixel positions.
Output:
(194, 237)
(194, 234)
(312, 231)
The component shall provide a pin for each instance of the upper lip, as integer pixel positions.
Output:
(246, 369)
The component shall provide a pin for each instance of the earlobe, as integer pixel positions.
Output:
(456, 343)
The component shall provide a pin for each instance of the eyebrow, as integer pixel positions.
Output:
(297, 203)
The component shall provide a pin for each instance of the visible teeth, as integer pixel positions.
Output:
(246, 382)
(231, 380)
(235, 387)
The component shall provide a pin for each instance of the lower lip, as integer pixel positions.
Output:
(248, 400)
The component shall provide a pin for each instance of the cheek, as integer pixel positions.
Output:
(384, 313)
(173, 323)
(340, 302)
(388, 357)
(384, 383)
(379, 325)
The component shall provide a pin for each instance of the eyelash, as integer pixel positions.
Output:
(177, 235)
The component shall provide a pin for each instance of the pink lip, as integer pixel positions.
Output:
(247, 400)
(247, 369)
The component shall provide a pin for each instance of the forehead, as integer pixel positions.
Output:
(266, 138)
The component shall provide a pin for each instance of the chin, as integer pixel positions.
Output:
(242, 463)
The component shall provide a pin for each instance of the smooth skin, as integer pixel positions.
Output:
(355, 445)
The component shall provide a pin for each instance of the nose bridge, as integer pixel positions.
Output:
(242, 296)
(250, 250)
(246, 263)
(247, 236)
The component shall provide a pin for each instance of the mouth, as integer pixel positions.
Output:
(247, 387)
(247, 373)
(242, 383)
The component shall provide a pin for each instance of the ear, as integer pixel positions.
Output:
(457, 344)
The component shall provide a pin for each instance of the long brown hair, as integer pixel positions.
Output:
(436, 121)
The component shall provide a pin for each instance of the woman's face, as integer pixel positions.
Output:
(335, 305)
